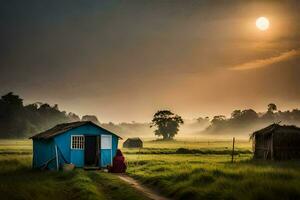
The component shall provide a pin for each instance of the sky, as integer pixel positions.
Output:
(124, 60)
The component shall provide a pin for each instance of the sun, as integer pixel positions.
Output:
(262, 23)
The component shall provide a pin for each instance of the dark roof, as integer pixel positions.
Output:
(62, 128)
(274, 127)
(134, 139)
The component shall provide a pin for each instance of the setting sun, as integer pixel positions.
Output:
(262, 23)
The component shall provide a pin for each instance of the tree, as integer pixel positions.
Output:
(91, 118)
(248, 115)
(12, 100)
(218, 119)
(73, 117)
(236, 114)
(272, 107)
(167, 124)
(203, 121)
(17, 120)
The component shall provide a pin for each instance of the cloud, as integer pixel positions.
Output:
(267, 61)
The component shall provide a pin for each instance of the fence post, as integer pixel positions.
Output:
(232, 154)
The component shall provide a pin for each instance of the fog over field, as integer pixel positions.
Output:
(19, 120)
(190, 129)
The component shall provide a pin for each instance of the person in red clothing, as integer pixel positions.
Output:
(119, 165)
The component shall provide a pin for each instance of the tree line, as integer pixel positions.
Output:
(18, 120)
(242, 121)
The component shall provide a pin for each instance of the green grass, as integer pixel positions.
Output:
(196, 144)
(191, 147)
(19, 181)
(205, 176)
(23, 147)
(203, 171)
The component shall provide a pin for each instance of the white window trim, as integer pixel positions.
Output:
(72, 142)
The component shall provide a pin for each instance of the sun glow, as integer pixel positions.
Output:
(262, 23)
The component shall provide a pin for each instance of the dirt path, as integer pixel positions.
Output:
(147, 191)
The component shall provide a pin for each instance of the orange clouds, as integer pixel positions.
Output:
(268, 61)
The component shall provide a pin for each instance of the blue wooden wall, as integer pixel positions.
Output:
(45, 150)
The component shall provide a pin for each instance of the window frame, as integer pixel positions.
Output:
(83, 146)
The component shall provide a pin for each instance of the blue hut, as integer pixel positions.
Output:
(83, 144)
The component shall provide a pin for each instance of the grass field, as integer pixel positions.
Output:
(19, 181)
(212, 175)
(203, 174)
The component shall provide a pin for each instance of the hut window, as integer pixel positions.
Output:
(77, 142)
(106, 141)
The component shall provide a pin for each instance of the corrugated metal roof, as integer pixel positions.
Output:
(62, 128)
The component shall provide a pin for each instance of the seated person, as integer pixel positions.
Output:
(119, 165)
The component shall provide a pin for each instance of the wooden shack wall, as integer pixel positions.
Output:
(287, 144)
(262, 146)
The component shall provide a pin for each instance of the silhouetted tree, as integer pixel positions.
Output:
(236, 114)
(270, 116)
(17, 120)
(11, 115)
(202, 121)
(12, 100)
(167, 124)
(248, 115)
(272, 107)
(73, 117)
(218, 119)
(91, 118)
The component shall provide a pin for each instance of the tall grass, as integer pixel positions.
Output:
(19, 181)
(214, 177)
(202, 172)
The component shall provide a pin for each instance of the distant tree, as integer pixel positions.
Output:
(17, 120)
(236, 114)
(218, 119)
(295, 114)
(12, 121)
(272, 107)
(244, 115)
(167, 124)
(248, 115)
(73, 117)
(202, 119)
(91, 118)
(12, 100)
(270, 116)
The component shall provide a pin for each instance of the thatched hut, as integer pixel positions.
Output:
(277, 142)
(133, 143)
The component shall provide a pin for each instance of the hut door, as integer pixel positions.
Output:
(90, 151)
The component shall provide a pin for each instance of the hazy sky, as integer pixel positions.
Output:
(123, 60)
